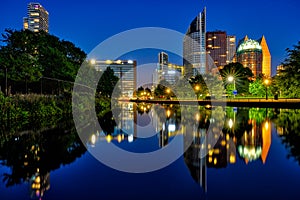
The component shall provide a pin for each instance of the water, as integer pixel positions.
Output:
(256, 155)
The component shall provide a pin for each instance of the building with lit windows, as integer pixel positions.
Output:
(266, 57)
(37, 18)
(249, 54)
(231, 48)
(125, 70)
(255, 54)
(166, 71)
(216, 47)
(194, 46)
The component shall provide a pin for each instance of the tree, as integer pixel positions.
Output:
(29, 56)
(242, 76)
(107, 83)
(288, 79)
(206, 84)
(140, 91)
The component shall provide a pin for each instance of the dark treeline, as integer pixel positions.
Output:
(37, 62)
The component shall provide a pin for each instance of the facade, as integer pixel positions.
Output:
(163, 60)
(249, 54)
(266, 60)
(166, 71)
(255, 54)
(231, 48)
(216, 47)
(194, 46)
(125, 70)
(37, 18)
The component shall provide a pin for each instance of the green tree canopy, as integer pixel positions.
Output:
(107, 83)
(242, 76)
(288, 79)
(29, 55)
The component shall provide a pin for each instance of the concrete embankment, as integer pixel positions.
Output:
(262, 103)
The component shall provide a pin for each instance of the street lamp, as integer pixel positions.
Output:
(231, 79)
(267, 83)
(197, 88)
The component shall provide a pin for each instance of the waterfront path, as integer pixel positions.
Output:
(243, 102)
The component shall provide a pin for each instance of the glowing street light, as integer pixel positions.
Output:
(231, 79)
(267, 83)
(93, 61)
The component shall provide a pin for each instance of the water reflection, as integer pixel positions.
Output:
(220, 137)
(32, 155)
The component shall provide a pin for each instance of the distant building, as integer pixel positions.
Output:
(278, 69)
(166, 71)
(163, 60)
(266, 60)
(249, 54)
(194, 46)
(231, 48)
(255, 54)
(216, 47)
(125, 70)
(37, 18)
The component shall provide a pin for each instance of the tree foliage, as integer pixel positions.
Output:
(29, 56)
(242, 76)
(288, 79)
(108, 83)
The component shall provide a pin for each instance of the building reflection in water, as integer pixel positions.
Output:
(119, 125)
(32, 155)
(253, 144)
(214, 144)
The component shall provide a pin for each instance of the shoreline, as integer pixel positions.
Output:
(260, 103)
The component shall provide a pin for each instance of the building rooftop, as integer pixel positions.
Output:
(248, 45)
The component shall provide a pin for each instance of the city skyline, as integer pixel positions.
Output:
(232, 17)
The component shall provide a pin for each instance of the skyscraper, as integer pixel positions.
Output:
(125, 70)
(231, 48)
(266, 57)
(249, 54)
(166, 71)
(255, 54)
(194, 46)
(37, 18)
(216, 47)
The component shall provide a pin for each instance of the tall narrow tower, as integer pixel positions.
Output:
(37, 18)
(194, 46)
(266, 57)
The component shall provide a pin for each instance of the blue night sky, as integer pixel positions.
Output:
(87, 23)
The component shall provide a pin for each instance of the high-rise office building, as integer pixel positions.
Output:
(255, 54)
(125, 70)
(249, 54)
(231, 48)
(166, 71)
(37, 18)
(194, 46)
(216, 47)
(163, 60)
(266, 57)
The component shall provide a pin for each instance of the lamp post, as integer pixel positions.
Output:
(267, 82)
(197, 88)
(231, 79)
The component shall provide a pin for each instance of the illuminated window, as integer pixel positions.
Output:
(35, 14)
(36, 20)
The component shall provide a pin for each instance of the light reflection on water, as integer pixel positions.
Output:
(256, 147)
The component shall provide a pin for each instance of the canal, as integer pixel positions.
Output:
(156, 151)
